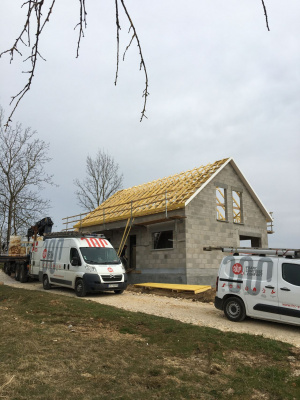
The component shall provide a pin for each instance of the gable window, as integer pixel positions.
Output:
(221, 204)
(162, 240)
(237, 206)
(291, 273)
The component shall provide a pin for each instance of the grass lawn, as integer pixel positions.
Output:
(56, 347)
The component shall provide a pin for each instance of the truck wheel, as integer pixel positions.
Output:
(23, 274)
(46, 283)
(234, 309)
(17, 273)
(5, 268)
(119, 291)
(80, 288)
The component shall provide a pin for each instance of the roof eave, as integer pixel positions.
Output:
(208, 181)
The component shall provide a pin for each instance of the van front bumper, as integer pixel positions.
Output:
(94, 284)
(218, 303)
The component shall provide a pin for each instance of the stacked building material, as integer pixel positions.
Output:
(14, 248)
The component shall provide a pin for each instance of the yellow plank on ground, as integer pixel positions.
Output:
(176, 287)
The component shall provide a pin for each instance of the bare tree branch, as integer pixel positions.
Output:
(34, 12)
(118, 39)
(142, 62)
(266, 15)
(82, 24)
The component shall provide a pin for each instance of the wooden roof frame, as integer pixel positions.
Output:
(152, 203)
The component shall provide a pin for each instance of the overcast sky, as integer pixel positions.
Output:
(220, 86)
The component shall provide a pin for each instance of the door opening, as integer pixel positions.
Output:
(132, 251)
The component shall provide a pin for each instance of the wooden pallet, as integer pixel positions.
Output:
(175, 287)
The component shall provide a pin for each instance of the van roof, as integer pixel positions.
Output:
(72, 235)
(293, 253)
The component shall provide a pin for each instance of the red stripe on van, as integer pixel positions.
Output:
(87, 241)
(94, 242)
(103, 242)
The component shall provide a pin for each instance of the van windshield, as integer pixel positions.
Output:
(99, 255)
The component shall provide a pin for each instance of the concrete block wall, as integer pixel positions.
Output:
(164, 265)
(203, 228)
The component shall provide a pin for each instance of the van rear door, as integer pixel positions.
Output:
(289, 290)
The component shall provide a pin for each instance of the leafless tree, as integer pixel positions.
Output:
(22, 177)
(38, 14)
(103, 179)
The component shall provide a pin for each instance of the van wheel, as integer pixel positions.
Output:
(119, 291)
(234, 309)
(46, 283)
(80, 288)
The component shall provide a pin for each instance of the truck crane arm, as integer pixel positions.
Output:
(40, 228)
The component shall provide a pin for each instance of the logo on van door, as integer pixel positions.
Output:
(237, 269)
(248, 272)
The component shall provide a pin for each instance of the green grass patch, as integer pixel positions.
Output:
(56, 347)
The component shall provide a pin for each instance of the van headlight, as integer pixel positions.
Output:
(123, 269)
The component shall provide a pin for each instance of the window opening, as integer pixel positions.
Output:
(291, 273)
(237, 206)
(221, 204)
(250, 241)
(162, 240)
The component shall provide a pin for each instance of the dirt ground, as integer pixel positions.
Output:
(194, 309)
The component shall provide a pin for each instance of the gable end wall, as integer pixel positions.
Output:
(203, 229)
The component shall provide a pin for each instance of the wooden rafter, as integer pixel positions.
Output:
(151, 198)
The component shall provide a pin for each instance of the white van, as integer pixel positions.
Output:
(86, 263)
(265, 286)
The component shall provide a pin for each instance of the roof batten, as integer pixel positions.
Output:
(150, 198)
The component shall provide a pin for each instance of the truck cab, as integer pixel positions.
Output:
(85, 263)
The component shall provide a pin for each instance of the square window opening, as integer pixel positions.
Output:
(162, 240)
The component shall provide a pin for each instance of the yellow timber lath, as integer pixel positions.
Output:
(169, 193)
(175, 287)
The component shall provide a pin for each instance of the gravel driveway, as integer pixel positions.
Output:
(184, 310)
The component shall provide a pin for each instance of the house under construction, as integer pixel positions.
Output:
(167, 222)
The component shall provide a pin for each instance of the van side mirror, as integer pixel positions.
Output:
(75, 261)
